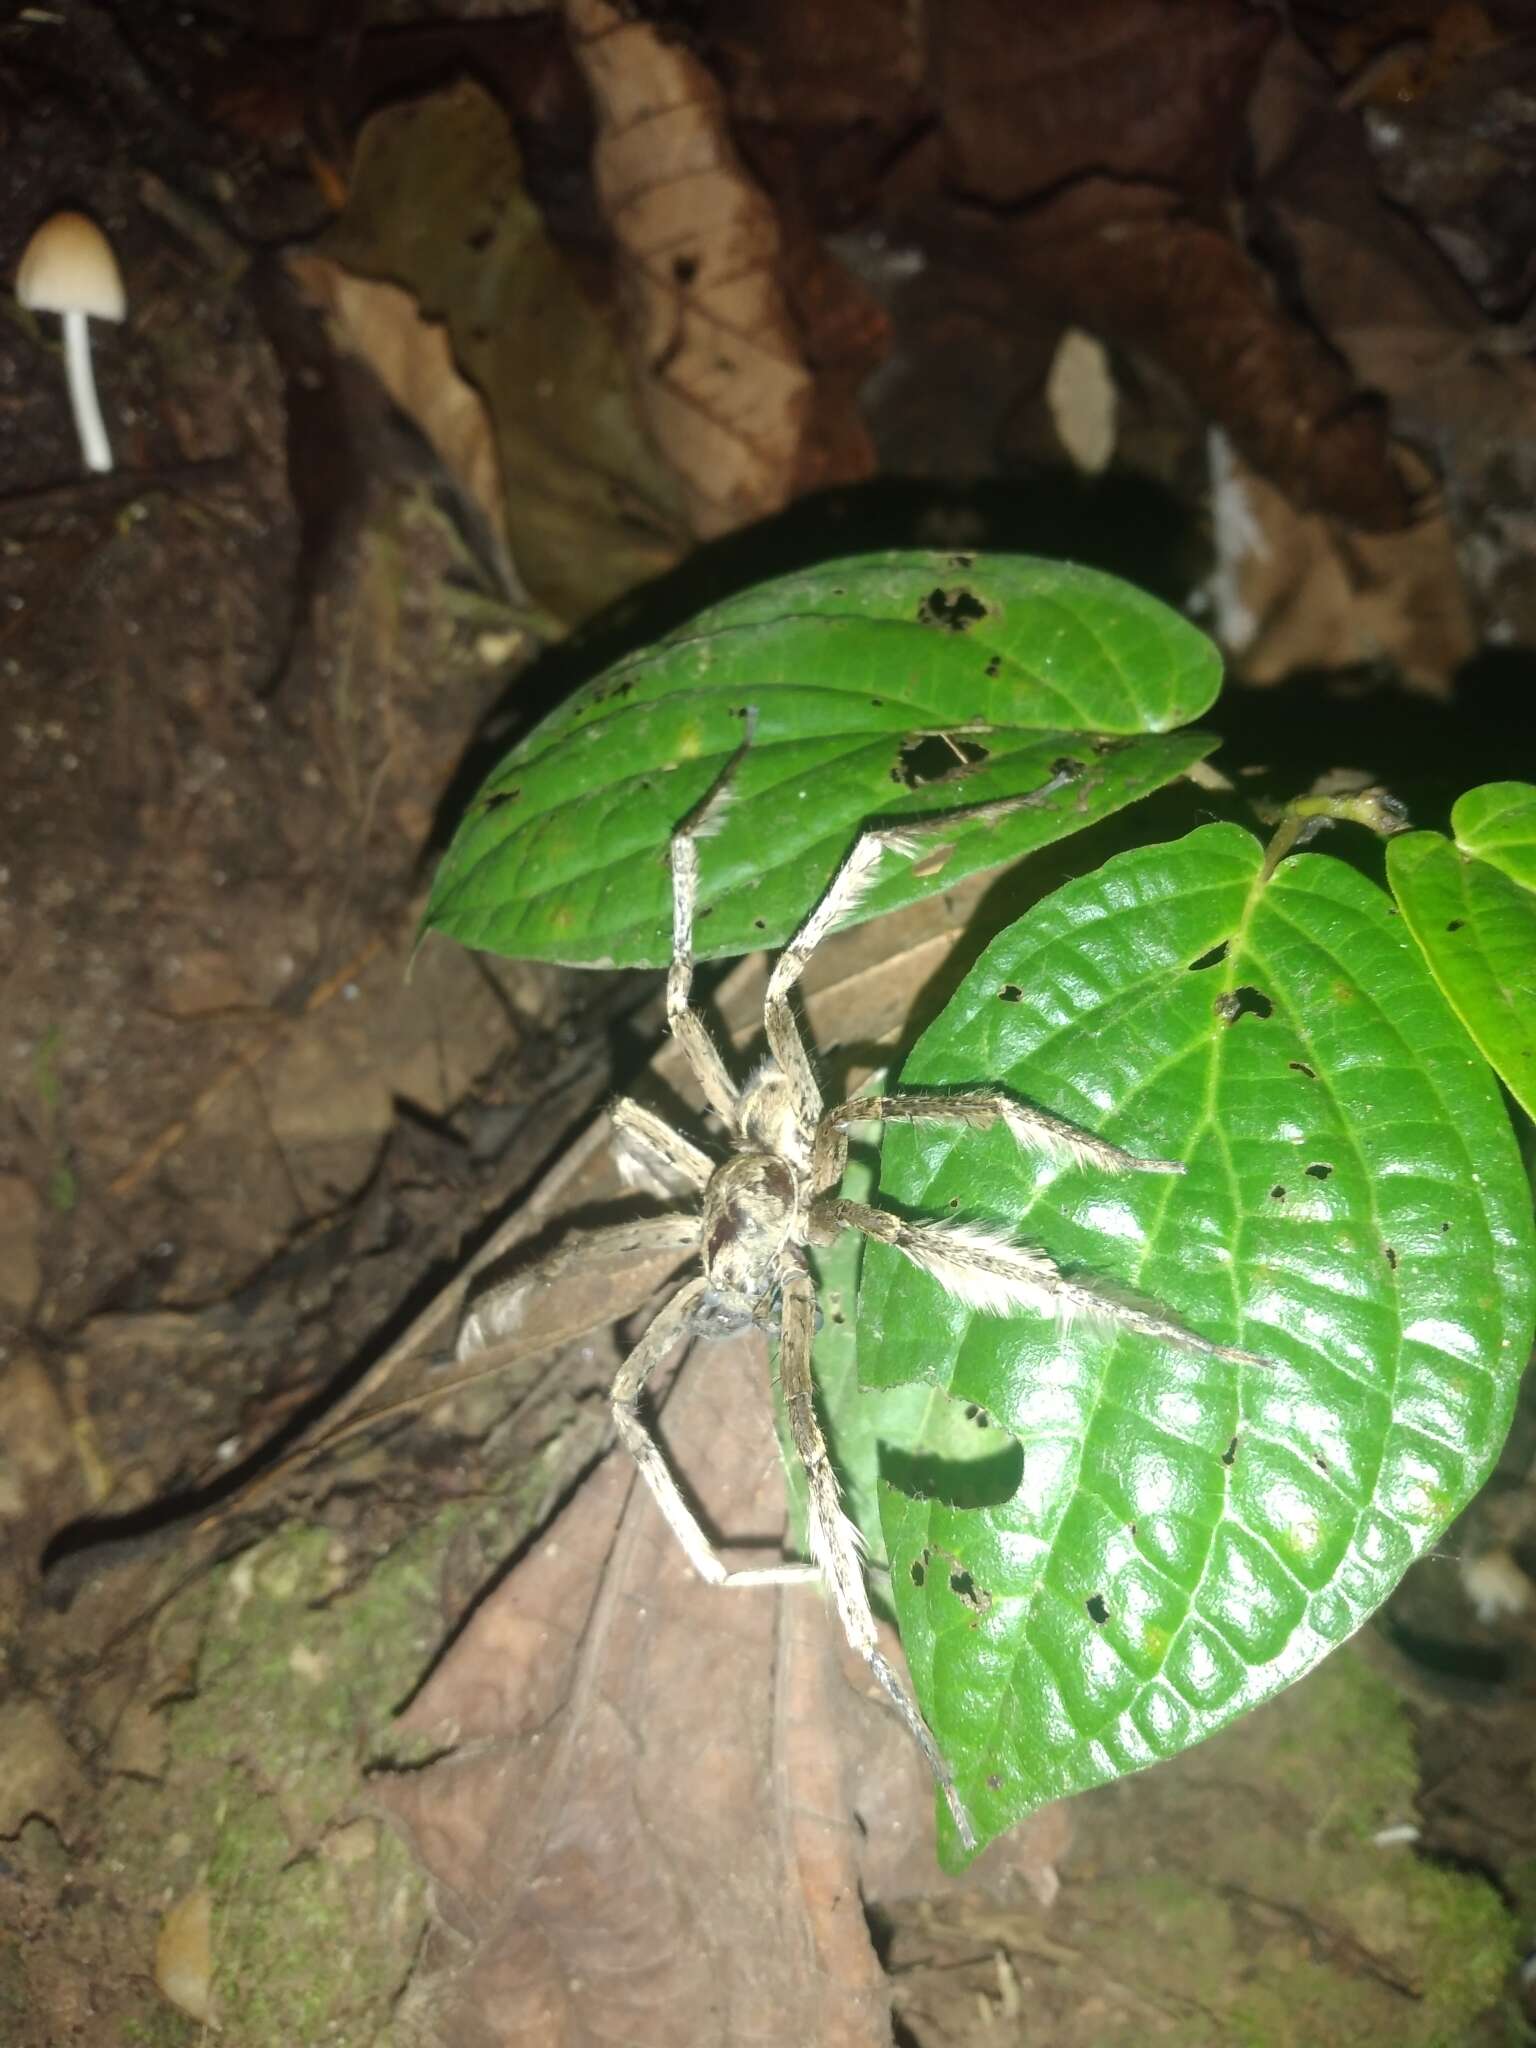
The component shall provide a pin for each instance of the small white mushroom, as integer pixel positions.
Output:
(68, 268)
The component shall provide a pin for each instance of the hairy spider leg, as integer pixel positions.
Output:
(688, 1027)
(851, 882)
(834, 1541)
(1036, 1130)
(498, 1311)
(651, 1153)
(669, 1327)
(988, 1271)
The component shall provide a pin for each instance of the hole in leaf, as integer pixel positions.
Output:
(965, 1588)
(1010, 992)
(1444, 1228)
(498, 798)
(1212, 959)
(1277, 1193)
(994, 1782)
(956, 611)
(962, 562)
(1392, 1258)
(760, 924)
(1320, 1461)
(1301, 1067)
(1456, 924)
(936, 757)
(1229, 1455)
(919, 1571)
(1097, 1611)
(994, 668)
(1319, 1172)
(1243, 1002)
(1067, 764)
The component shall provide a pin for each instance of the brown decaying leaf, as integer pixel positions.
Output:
(640, 1830)
(413, 359)
(1295, 592)
(1036, 94)
(716, 360)
(437, 206)
(664, 1803)
(1127, 263)
(1406, 326)
(1110, 132)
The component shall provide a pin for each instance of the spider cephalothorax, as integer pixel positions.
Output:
(774, 1195)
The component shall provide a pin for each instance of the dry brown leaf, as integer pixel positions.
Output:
(437, 206)
(413, 359)
(1126, 262)
(1293, 591)
(637, 1832)
(664, 1802)
(1406, 326)
(716, 360)
(1033, 95)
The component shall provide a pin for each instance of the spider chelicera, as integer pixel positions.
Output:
(773, 1195)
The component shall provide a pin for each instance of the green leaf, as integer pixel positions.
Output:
(1477, 930)
(1189, 1536)
(1497, 823)
(883, 687)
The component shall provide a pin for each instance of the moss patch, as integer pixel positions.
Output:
(1241, 1889)
(286, 1668)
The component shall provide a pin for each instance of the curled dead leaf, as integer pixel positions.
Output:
(506, 364)
(1129, 264)
(412, 357)
(715, 357)
(1291, 591)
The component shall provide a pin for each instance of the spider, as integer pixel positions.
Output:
(772, 1196)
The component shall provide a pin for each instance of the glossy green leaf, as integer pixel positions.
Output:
(1477, 929)
(883, 687)
(1188, 1536)
(1497, 823)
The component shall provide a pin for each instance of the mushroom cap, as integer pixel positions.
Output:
(68, 267)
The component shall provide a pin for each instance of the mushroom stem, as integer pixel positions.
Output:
(89, 424)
